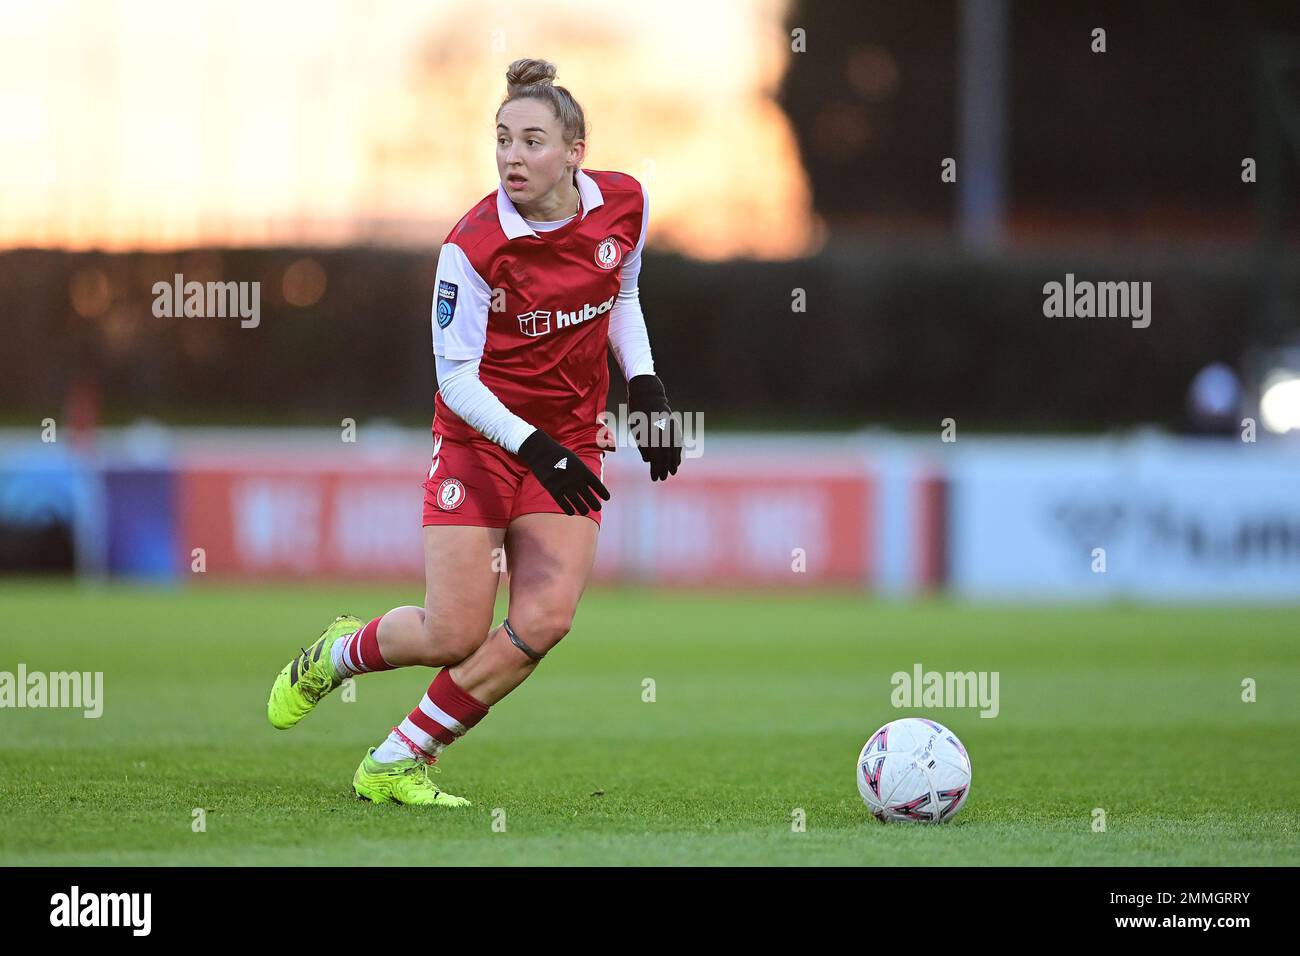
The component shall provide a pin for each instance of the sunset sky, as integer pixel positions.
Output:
(153, 124)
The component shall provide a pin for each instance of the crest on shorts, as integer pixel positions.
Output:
(446, 303)
(608, 253)
(450, 494)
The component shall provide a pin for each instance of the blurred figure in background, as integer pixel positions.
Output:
(1214, 400)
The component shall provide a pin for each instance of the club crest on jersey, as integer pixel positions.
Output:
(450, 494)
(446, 303)
(608, 253)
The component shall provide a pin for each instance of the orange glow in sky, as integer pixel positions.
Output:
(147, 124)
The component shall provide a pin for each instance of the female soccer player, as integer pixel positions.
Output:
(533, 284)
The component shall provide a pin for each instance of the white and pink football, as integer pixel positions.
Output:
(914, 769)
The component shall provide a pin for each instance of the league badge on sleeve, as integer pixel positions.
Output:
(446, 303)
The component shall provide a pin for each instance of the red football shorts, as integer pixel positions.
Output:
(477, 482)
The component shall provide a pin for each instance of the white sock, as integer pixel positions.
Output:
(339, 656)
(394, 748)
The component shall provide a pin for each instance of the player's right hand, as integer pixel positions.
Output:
(571, 483)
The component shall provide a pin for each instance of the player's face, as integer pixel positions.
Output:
(533, 160)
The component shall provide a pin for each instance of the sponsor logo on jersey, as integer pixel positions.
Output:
(608, 253)
(564, 319)
(534, 323)
(537, 323)
(446, 303)
(450, 494)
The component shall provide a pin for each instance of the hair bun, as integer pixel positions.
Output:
(527, 73)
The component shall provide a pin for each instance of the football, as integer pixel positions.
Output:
(914, 769)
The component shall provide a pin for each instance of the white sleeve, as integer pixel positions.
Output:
(628, 336)
(460, 317)
(465, 394)
(460, 306)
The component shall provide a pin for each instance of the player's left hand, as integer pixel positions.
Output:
(658, 436)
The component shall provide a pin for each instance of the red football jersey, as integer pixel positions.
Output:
(535, 306)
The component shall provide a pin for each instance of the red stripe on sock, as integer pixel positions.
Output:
(367, 648)
(415, 748)
(431, 727)
(452, 699)
(350, 659)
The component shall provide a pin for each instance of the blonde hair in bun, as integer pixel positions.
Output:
(535, 79)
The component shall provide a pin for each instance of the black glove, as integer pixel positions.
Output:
(571, 483)
(660, 440)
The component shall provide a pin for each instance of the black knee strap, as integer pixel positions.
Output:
(514, 639)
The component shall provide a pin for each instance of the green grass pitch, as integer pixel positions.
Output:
(762, 701)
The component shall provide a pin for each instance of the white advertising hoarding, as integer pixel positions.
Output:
(1152, 518)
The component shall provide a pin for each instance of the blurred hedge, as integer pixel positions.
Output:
(897, 336)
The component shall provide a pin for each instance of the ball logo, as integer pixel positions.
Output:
(609, 253)
(450, 494)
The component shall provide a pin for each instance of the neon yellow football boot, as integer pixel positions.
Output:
(405, 781)
(299, 687)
